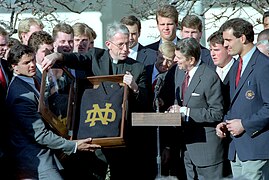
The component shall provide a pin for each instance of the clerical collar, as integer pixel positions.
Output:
(115, 61)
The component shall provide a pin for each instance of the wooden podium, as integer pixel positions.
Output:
(156, 119)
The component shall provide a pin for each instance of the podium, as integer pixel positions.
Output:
(156, 119)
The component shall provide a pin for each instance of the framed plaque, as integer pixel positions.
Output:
(100, 110)
(56, 100)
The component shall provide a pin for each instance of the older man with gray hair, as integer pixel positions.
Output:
(112, 61)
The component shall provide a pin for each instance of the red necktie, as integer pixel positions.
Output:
(184, 85)
(3, 79)
(153, 84)
(239, 69)
(37, 85)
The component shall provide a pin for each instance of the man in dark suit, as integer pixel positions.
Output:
(32, 142)
(115, 60)
(191, 26)
(5, 77)
(199, 99)
(248, 117)
(138, 52)
(154, 72)
(224, 62)
(167, 23)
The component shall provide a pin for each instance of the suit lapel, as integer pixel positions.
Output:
(38, 76)
(104, 65)
(141, 56)
(194, 82)
(179, 78)
(245, 75)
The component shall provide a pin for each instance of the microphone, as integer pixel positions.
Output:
(159, 82)
(157, 88)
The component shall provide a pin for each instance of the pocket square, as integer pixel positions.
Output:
(195, 94)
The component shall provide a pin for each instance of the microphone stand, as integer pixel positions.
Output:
(157, 106)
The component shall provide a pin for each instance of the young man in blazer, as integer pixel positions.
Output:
(138, 52)
(192, 26)
(167, 24)
(5, 77)
(247, 120)
(32, 142)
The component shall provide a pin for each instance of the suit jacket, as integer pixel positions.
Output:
(3, 109)
(149, 71)
(38, 76)
(146, 56)
(206, 57)
(249, 102)
(155, 45)
(226, 88)
(98, 62)
(203, 97)
(31, 140)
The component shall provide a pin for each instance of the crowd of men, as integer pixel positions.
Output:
(221, 94)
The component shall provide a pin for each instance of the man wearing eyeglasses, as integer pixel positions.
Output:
(112, 61)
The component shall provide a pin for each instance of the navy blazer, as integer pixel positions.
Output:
(250, 103)
(31, 140)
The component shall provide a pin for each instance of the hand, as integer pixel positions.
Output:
(221, 130)
(50, 60)
(235, 127)
(129, 80)
(86, 145)
(174, 109)
(166, 156)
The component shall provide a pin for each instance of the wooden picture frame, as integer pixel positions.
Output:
(93, 83)
(48, 89)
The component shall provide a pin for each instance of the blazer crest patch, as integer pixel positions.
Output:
(250, 94)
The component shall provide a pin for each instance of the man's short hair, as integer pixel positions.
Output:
(62, 27)
(3, 32)
(192, 21)
(263, 35)
(216, 38)
(239, 27)
(265, 15)
(167, 11)
(130, 21)
(16, 52)
(115, 28)
(39, 38)
(83, 29)
(189, 47)
(25, 24)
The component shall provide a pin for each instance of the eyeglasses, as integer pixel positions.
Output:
(121, 45)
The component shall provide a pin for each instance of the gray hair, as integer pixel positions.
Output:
(264, 42)
(115, 28)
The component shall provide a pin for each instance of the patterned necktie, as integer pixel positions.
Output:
(3, 79)
(239, 69)
(184, 85)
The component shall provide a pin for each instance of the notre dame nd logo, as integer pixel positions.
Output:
(97, 114)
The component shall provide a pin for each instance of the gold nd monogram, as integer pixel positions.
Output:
(97, 114)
